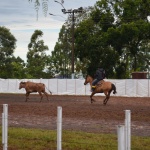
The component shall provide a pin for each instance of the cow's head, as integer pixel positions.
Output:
(22, 85)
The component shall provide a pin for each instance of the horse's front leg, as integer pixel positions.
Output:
(92, 100)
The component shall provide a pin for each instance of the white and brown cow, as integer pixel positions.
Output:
(31, 87)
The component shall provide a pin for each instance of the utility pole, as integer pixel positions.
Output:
(72, 12)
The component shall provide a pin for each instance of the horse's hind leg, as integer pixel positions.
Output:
(107, 98)
(104, 101)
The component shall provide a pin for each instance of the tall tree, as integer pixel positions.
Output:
(61, 56)
(36, 56)
(18, 67)
(90, 38)
(116, 36)
(133, 33)
(7, 46)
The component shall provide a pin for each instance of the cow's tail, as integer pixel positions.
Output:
(114, 89)
(49, 90)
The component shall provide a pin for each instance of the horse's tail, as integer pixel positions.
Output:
(114, 89)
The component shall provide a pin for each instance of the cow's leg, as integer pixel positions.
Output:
(46, 94)
(41, 96)
(27, 96)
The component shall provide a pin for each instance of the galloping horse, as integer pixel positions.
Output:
(102, 87)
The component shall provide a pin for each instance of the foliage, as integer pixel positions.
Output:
(61, 56)
(91, 45)
(116, 36)
(113, 34)
(10, 66)
(36, 56)
(18, 68)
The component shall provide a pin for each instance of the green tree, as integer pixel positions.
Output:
(115, 36)
(7, 46)
(18, 67)
(131, 35)
(61, 56)
(90, 38)
(36, 56)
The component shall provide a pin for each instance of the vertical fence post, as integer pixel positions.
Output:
(59, 128)
(121, 137)
(5, 127)
(127, 130)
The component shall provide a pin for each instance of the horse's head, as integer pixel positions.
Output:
(88, 79)
(22, 85)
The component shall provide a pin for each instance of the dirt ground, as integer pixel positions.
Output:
(78, 113)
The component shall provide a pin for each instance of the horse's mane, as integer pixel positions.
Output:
(90, 76)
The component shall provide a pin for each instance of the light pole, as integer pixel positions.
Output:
(56, 15)
(72, 12)
(60, 4)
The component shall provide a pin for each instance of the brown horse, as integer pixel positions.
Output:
(102, 87)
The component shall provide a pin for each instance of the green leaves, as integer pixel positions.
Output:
(7, 46)
(36, 56)
(117, 38)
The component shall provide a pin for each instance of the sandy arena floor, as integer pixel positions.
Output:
(78, 113)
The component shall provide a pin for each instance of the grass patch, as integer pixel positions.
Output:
(35, 139)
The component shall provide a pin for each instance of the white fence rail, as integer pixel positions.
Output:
(125, 87)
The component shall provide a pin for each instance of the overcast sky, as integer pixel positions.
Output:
(20, 17)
